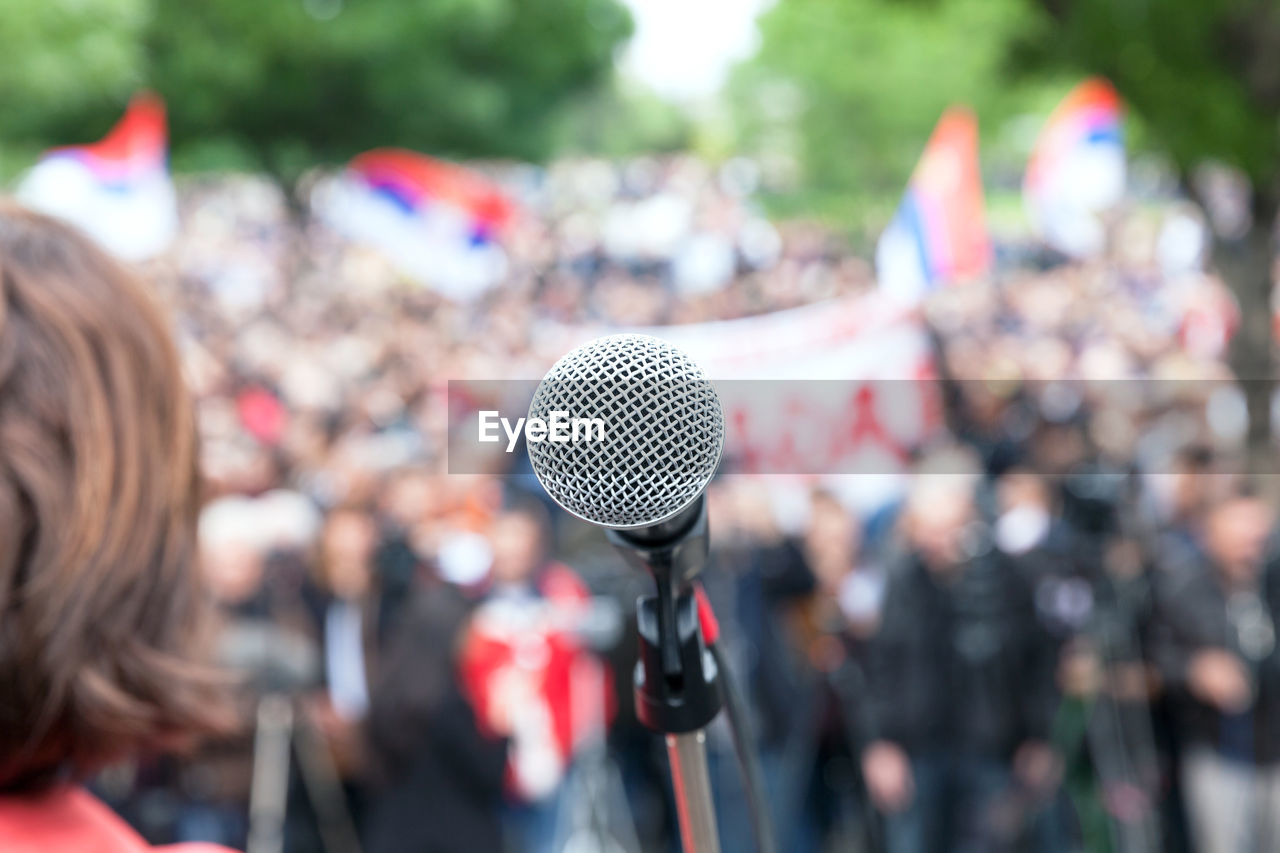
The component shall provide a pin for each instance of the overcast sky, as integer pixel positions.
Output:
(684, 48)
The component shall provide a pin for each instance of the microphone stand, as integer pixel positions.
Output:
(677, 688)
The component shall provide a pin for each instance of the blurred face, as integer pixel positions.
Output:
(349, 540)
(755, 514)
(232, 571)
(832, 542)
(1022, 490)
(305, 439)
(1236, 538)
(409, 499)
(936, 524)
(517, 548)
(1058, 448)
(1188, 496)
(722, 516)
(1191, 491)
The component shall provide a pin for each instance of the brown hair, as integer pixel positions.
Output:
(99, 600)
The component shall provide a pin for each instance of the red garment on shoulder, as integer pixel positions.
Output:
(68, 819)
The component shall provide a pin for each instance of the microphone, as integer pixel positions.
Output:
(643, 481)
(663, 434)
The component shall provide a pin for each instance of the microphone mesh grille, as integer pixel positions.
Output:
(664, 431)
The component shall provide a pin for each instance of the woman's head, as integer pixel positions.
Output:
(98, 497)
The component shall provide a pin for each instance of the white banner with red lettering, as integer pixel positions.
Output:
(839, 387)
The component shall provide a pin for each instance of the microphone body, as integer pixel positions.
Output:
(662, 440)
(644, 483)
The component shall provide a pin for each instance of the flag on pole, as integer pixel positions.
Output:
(1077, 169)
(117, 190)
(939, 234)
(437, 221)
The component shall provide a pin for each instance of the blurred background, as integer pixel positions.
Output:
(1017, 592)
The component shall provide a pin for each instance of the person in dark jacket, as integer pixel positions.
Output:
(1216, 649)
(439, 778)
(960, 678)
(755, 577)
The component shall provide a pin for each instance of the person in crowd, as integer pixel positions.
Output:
(1216, 652)
(840, 616)
(519, 668)
(1056, 559)
(1087, 592)
(850, 587)
(346, 612)
(438, 777)
(101, 611)
(757, 580)
(960, 682)
(1180, 505)
(403, 507)
(216, 783)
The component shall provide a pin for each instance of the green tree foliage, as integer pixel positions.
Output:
(284, 84)
(862, 83)
(66, 66)
(303, 80)
(623, 119)
(1203, 74)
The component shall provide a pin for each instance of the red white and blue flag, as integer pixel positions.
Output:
(1077, 169)
(437, 221)
(939, 234)
(117, 190)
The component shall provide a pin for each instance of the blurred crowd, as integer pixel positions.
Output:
(1057, 634)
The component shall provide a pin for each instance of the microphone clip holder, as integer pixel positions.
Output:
(677, 687)
(677, 682)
